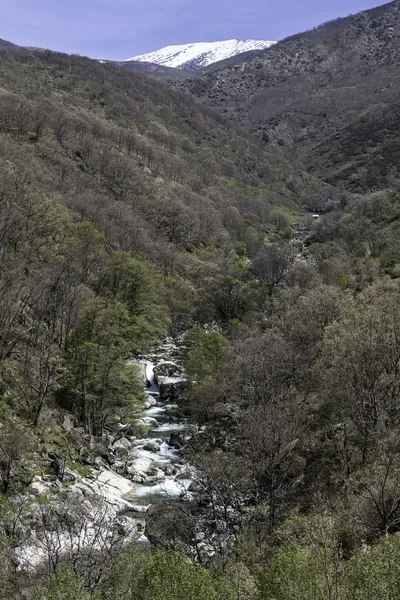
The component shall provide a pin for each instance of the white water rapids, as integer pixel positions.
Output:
(169, 477)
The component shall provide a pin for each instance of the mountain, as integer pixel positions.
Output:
(192, 57)
(152, 69)
(5, 44)
(125, 150)
(327, 97)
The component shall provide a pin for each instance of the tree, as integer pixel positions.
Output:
(15, 445)
(272, 264)
(271, 420)
(65, 585)
(205, 361)
(164, 574)
(89, 248)
(99, 345)
(375, 572)
(308, 563)
(140, 288)
(360, 365)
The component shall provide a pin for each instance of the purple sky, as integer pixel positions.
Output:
(118, 29)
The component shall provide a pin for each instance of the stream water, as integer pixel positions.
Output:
(159, 471)
(166, 474)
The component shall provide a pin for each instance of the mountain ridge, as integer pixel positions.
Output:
(197, 55)
(321, 97)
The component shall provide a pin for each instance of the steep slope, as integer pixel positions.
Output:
(328, 97)
(159, 174)
(5, 44)
(157, 71)
(127, 211)
(191, 57)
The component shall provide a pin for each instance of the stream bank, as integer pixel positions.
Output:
(122, 476)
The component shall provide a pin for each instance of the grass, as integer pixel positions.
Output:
(82, 470)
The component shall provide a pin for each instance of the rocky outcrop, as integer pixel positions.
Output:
(170, 387)
(166, 368)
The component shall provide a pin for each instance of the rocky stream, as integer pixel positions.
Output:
(125, 475)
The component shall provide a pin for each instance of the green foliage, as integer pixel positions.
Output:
(309, 566)
(65, 585)
(361, 356)
(241, 248)
(99, 345)
(375, 571)
(164, 574)
(82, 470)
(139, 287)
(205, 353)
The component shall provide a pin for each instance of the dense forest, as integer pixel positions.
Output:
(131, 212)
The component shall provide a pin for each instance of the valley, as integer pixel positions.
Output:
(199, 319)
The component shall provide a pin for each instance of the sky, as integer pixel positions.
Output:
(119, 29)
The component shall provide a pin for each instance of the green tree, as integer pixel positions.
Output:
(205, 354)
(89, 246)
(375, 572)
(307, 565)
(205, 359)
(63, 586)
(99, 346)
(162, 575)
(360, 366)
(140, 288)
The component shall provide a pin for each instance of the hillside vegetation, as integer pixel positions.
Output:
(327, 97)
(129, 212)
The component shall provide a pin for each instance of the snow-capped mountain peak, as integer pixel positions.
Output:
(200, 54)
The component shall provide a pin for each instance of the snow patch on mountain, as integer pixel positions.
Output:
(200, 54)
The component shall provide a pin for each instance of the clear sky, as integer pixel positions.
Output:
(119, 29)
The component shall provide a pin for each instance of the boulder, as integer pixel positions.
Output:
(57, 466)
(150, 401)
(122, 447)
(151, 447)
(128, 431)
(68, 423)
(167, 368)
(68, 476)
(170, 387)
(136, 476)
(175, 440)
(150, 421)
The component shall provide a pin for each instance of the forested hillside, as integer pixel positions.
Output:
(327, 97)
(129, 213)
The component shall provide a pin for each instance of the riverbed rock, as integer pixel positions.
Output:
(136, 476)
(150, 401)
(175, 440)
(68, 476)
(150, 421)
(122, 447)
(170, 387)
(151, 446)
(119, 467)
(166, 368)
